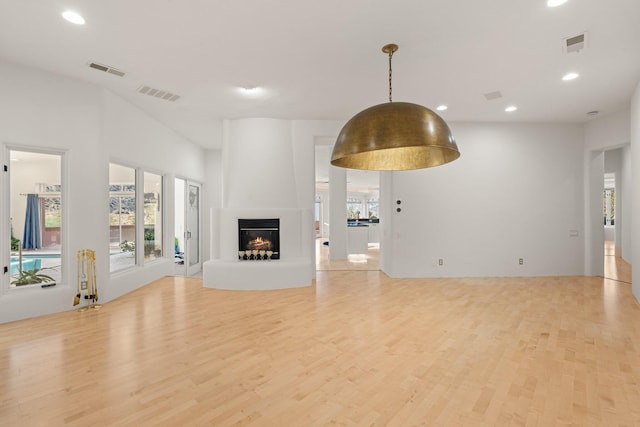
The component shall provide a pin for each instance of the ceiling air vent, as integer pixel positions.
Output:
(492, 95)
(106, 69)
(157, 93)
(574, 43)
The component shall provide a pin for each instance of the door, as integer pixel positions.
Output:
(187, 226)
(193, 258)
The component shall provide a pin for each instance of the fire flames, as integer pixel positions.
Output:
(259, 243)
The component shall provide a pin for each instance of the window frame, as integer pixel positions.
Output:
(121, 193)
(139, 196)
(5, 215)
(161, 197)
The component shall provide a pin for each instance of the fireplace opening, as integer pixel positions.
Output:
(259, 239)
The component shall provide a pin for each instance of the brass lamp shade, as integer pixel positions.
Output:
(394, 136)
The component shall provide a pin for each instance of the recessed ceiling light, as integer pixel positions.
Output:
(511, 108)
(251, 91)
(570, 76)
(441, 107)
(73, 17)
(555, 3)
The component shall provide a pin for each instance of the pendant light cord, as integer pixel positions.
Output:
(390, 90)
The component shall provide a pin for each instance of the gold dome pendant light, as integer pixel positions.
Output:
(394, 136)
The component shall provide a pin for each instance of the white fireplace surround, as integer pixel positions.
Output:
(293, 269)
(259, 181)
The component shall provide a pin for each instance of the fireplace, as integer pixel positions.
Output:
(259, 239)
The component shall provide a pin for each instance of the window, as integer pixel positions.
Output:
(152, 216)
(125, 227)
(35, 211)
(372, 209)
(354, 208)
(122, 217)
(609, 205)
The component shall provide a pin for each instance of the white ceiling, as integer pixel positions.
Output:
(322, 60)
(361, 181)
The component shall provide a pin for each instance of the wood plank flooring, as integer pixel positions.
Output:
(615, 267)
(360, 262)
(356, 349)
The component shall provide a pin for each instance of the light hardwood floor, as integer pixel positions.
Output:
(360, 262)
(357, 348)
(614, 266)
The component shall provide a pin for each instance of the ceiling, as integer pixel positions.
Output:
(358, 181)
(323, 60)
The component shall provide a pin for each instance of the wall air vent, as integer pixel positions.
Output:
(157, 93)
(574, 43)
(106, 69)
(492, 95)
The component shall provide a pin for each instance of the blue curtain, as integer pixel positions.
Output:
(31, 237)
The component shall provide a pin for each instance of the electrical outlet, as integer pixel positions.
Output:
(83, 285)
(521, 261)
(440, 261)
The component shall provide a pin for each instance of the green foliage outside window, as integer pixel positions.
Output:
(610, 213)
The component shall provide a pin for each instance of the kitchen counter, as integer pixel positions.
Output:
(357, 239)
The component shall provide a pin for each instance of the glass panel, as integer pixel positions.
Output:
(609, 206)
(36, 218)
(122, 217)
(193, 224)
(372, 209)
(179, 247)
(152, 216)
(52, 211)
(354, 208)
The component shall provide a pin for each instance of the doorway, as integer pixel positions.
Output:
(187, 245)
(360, 204)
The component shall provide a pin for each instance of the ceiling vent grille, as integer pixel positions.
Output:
(574, 43)
(492, 95)
(158, 93)
(106, 69)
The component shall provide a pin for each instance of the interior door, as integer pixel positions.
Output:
(193, 257)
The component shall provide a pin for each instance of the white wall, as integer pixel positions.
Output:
(635, 190)
(94, 127)
(607, 132)
(626, 243)
(594, 232)
(259, 166)
(516, 192)
(42, 110)
(337, 213)
(213, 198)
(388, 208)
(133, 137)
